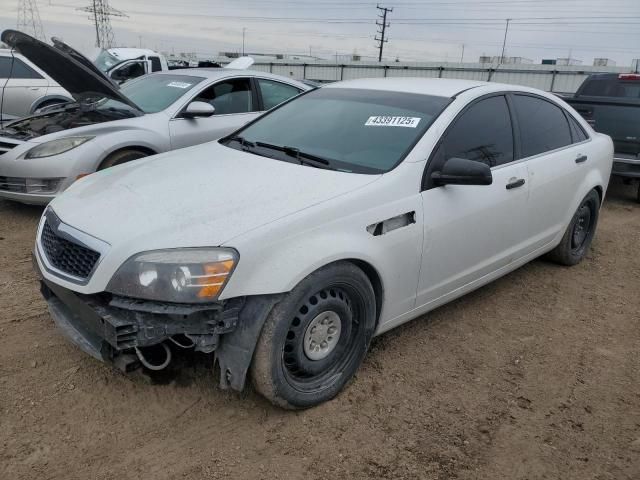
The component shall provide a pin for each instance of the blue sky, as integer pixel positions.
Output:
(433, 30)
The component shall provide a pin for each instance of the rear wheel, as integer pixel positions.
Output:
(577, 239)
(315, 339)
(123, 156)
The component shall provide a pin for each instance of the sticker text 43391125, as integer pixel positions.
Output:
(392, 121)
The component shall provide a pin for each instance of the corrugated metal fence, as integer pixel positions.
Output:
(552, 78)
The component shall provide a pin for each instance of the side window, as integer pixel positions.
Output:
(22, 70)
(231, 96)
(128, 71)
(156, 66)
(5, 67)
(597, 88)
(543, 126)
(482, 133)
(274, 93)
(577, 133)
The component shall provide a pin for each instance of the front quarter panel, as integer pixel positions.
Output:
(276, 257)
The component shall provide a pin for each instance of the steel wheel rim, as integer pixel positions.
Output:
(581, 228)
(322, 335)
(295, 362)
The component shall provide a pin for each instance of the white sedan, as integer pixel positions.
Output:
(352, 209)
(40, 156)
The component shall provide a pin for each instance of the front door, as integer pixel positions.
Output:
(471, 231)
(235, 104)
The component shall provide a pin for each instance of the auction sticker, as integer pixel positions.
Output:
(179, 85)
(388, 121)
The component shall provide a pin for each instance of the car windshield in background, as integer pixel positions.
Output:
(353, 130)
(154, 93)
(105, 60)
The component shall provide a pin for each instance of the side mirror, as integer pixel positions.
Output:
(198, 109)
(461, 171)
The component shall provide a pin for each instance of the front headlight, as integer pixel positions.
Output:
(56, 147)
(189, 275)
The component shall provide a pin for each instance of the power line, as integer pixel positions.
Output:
(383, 28)
(29, 19)
(101, 13)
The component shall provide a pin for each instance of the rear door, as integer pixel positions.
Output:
(554, 161)
(235, 102)
(471, 231)
(24, 85)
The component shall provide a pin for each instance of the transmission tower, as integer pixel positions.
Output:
(29, 19)
(383, 28)
(101, 13)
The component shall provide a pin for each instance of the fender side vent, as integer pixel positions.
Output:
(391, 224)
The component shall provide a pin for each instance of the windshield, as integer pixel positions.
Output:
(154, 93)
(105, 60)
(362, 131)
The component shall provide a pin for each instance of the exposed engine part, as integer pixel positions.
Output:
(148, 356)
(64, 118)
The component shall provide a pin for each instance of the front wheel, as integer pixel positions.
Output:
(315, 339)
(123, 156)
(577, 239)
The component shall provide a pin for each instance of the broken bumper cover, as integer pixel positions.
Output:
(109, 328)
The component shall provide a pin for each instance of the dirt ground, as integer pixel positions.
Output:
(536, 376)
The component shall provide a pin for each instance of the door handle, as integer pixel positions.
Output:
(34, 88)
(581, 159)
(515, 183)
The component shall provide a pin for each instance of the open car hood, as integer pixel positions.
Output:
(69, 68)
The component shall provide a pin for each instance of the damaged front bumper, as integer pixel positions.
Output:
(113, 329)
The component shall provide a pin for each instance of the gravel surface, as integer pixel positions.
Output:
(534, 376)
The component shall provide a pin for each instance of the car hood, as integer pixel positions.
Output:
(198, 196)
(69, 68)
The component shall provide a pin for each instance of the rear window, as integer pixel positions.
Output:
(611, 87)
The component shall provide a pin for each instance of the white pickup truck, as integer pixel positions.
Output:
(122, 64)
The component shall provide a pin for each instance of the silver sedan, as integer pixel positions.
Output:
(107, 125)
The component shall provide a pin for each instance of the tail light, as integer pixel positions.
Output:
(629, 76)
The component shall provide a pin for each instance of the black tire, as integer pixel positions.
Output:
(638, 193)
(579, 235)
(339, 297)
(120, 157)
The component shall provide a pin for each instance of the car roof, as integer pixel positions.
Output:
(212, 72)
(441, 87)
(130, 53)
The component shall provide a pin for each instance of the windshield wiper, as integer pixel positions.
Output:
(302, 157)
(244, 143)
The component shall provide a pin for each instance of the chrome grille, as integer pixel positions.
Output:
(29, 185)
(68, 257)
(13, 184)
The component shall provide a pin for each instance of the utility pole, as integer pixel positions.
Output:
(244, 29)
(101, 13)
(29, 19)
(462, 54)
(383, 28)
(504, 42)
